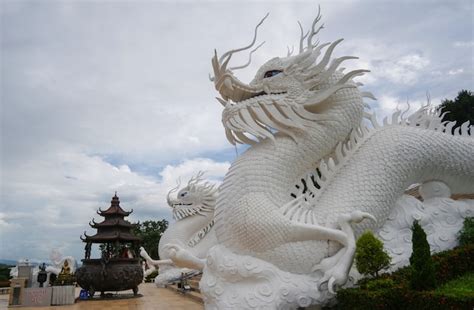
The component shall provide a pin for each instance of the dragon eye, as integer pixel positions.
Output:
(183, 194)
(271, 73)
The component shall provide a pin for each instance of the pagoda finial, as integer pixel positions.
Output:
(115, 200)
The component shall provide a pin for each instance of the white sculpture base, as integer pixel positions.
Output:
(171, 275)
(440, 216)
(232, 281)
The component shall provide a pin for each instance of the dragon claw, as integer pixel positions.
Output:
(336, 268)
(331, 285)
(333, 277)
(172, 249)
(182, 257)
(359, 216)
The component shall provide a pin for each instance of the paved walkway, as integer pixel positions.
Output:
(153, 299)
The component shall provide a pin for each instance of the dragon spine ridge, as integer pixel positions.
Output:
(314, 184)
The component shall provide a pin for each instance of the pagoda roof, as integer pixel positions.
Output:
(111, 222)
(114, 208)
(110, 236)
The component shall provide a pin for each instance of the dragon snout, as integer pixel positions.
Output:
(230, 88)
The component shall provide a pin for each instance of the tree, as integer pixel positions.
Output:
(150, 232)
(461, 109)
(423, 273)
(370, 256)
(5, 272)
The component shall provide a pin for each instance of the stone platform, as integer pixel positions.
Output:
(153, 299)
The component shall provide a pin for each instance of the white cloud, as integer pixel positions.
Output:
(404, 70)
(132, 90)
(187, 169)
(386, 105)
(388, 64)
(51, 198)
(464, 44)
(456, 71)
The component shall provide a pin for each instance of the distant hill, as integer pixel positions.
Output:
(8, 262)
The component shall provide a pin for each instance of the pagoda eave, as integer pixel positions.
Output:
(111, 238)
(110, 223)
(114, 211)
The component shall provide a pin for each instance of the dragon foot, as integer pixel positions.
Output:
(336, 268)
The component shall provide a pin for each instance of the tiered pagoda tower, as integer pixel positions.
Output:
(114, 229)
(119, 267)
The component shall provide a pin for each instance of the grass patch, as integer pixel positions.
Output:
(462, 286)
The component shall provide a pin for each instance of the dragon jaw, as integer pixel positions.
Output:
(285, 94)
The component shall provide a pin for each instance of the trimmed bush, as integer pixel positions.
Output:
(370, 257)
(380, 294)
(462, 286)
(453, 263)
(151, 277)
(381, 283)
(466, 235)
(399, 298)
(423, 272)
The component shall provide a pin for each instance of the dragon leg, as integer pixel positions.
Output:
(183, 258)
(153, 262)
(336, 268)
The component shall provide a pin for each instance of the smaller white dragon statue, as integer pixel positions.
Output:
(57, 264)
(184, 245)
(58, 260)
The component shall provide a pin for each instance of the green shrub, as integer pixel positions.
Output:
(423, 272)
(462, 286)
(466, 235)
(5, 272)
(381, 283)
(151, 276)
(353, 298)
(377, 293)
(400, 298)
(370, 257)
(453, 263)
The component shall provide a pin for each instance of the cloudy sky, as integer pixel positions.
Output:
(104, 96)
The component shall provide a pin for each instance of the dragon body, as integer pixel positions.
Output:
(290, 207)
(271, 221)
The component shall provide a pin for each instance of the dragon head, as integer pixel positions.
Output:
(196, 197)
(287, 93)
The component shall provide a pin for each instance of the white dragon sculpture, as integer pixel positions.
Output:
(281, 246)
(192, 233)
